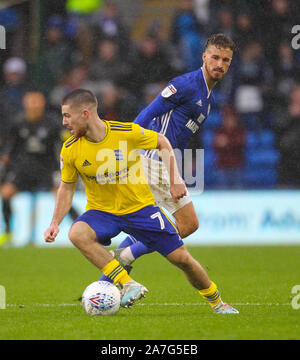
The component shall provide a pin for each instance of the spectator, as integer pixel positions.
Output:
(245, 31)
(277, 27)
(117, 103)
(55, 58)
(188, 35)
(225, 23)
(108, 24)
(255, 78)
(287, 73)
(78, 27)
(158, 31)
(229, 144)
(84, 44)
(75, 78)
(13, 90)
(149, 65)
(108, 64)
(150, 93)
(287, 128)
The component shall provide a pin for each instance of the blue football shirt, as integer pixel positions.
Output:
(179, 110)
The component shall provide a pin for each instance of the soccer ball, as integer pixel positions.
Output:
(101, 298)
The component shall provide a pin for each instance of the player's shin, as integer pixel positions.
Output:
(211, 295)
(116, 273)
(131, 290)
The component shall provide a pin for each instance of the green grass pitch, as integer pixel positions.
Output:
(42, 284)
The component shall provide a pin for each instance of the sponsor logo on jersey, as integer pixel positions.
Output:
(119, 155)
(192, 126)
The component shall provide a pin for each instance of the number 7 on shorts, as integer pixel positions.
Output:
(161, 220)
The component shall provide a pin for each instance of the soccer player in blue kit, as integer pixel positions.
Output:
(177, 113)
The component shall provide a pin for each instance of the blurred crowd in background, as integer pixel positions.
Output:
(251, 138)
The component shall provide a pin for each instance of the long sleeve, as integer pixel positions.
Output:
(158, 107)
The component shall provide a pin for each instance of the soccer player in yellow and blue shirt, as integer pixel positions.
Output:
(106, 155)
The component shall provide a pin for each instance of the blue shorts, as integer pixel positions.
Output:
(148, 225)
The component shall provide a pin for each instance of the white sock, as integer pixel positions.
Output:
(127, 256)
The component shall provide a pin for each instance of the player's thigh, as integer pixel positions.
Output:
(104, 225)
(180, 257)
(82, 233)
(154, 229)
(186, 217)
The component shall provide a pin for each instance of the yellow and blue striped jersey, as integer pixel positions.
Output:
(111, 170)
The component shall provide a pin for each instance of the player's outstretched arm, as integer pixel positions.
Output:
(177, 186)
(159, 106)
(63, 204)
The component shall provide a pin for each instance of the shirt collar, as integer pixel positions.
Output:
(206, 86)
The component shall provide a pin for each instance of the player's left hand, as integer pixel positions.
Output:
(178, 190)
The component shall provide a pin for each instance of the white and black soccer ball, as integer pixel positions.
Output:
(101, 298)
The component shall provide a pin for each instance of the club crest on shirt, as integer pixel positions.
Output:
(168, 91)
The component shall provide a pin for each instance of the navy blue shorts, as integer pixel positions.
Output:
(149, 225)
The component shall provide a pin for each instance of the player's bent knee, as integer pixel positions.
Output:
(181, 258)
(186, 220)
(80, 234)
(193, 226)
(74, 235)
(187, 228)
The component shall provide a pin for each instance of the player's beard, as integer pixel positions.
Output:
(214, 78)
(80, 132)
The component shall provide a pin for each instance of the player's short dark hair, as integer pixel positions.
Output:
(221, 41)
(80, 97)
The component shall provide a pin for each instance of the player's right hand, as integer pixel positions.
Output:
(51, 233)
(178, 191)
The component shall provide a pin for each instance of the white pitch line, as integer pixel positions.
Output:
(153, 304)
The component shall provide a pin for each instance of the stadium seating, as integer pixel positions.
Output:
(261, 159)
(261, 156)
(214, 120)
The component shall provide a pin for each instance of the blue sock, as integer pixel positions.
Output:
(138, 249)
(129, 240)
